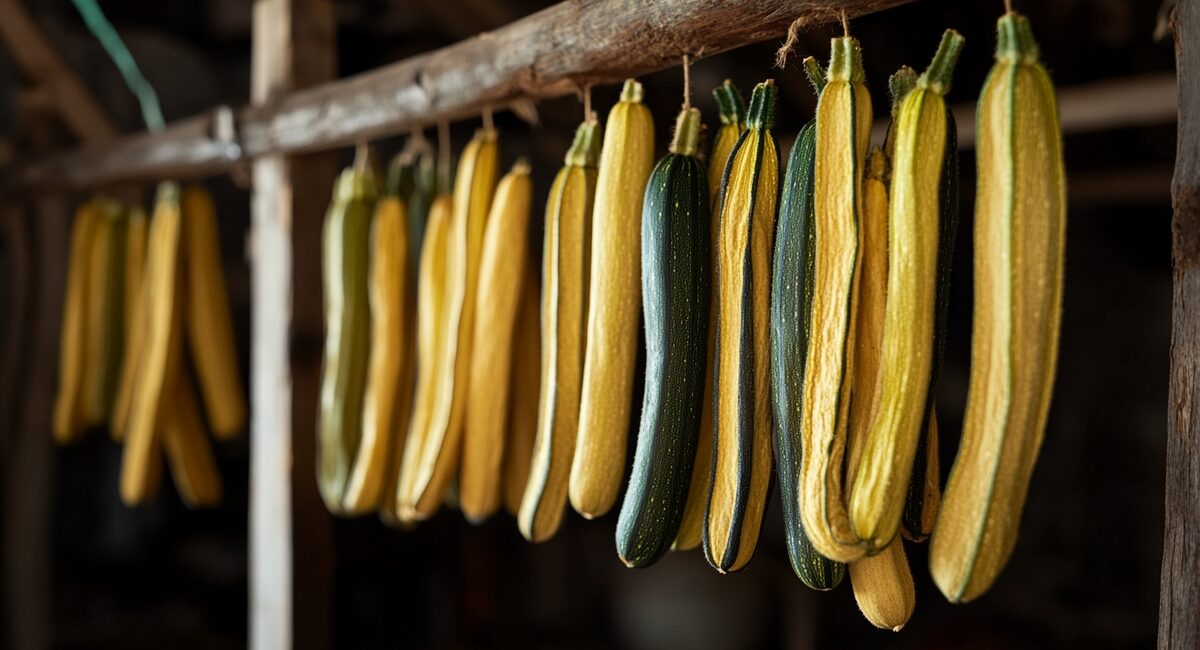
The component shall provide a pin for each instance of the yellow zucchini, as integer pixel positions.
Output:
(502, 268)
(626, 159)
(564, 314)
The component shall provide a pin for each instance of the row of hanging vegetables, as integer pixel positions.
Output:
(147, 346)
(794, 328)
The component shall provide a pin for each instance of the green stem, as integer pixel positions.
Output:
(1014, 40)
(937, 76)
(845, 60)
(632, 91)
(731, 106)
(687, 132)
(816, 76)
(585, 150)
(762, 106)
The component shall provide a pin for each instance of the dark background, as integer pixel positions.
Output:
(1085, 570)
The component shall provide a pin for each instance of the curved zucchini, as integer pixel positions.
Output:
(877, 495)
(387, 291)
(135, 310)
(1020, 229)
(564, 314)
(209, 324)
(843, 133)
(675, 293)
(791, 304)
(526, 381)
(925, 488)
(431, 341)
(68, 420)
(346, 241)
(741, 469)
(502, 269)
(140, 463)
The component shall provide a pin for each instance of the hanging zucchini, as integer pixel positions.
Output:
(877, 496)
(135, 310)
(432, 287)
(626, 159)
(733, 122)
(732, 111)
(387, 290)
(791, 304)
(675, 294)
(429, 467)
(741, 469)
(68, 414)
(564, 312)
(209, 324)
(105, 331)
(525, 384)
(140, 463)
(843, 126)
(502, 269)
(346, 243)
(1020, 226)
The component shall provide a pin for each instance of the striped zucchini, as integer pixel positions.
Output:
(432, 336)
(412, 182)
(925, 489)
(502, 269)
(626, 159)
(525, 382)
(791, 304)
(675, 294)
(733, 122)
(564, 313)
(140, 464)
(346, 244)
(843, 125)
(387, 296)
(428, 467)
(1020, 228)
(877, 495)
(741, 469)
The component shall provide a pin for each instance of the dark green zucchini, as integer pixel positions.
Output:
(791, 305)
(919, 516)
(675, 297)
(791, 301)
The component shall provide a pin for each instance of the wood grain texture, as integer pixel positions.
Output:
(1179, 593)
(550, 53)
(291, 537)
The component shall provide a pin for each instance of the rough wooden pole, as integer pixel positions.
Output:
(551, 53)
(1179, 594)
(290, 536)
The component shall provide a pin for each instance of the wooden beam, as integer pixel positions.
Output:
(290, 533)
(41, 63)
(1179, 592)
(553, 52)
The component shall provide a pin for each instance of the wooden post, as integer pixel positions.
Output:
(290, 535)
(1179, 594)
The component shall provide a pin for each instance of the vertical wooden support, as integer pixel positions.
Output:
(1179, 594)
(290, 534)
(28, 472)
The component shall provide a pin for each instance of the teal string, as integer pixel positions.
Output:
(104, 32)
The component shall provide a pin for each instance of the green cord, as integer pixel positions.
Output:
(104, 32)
